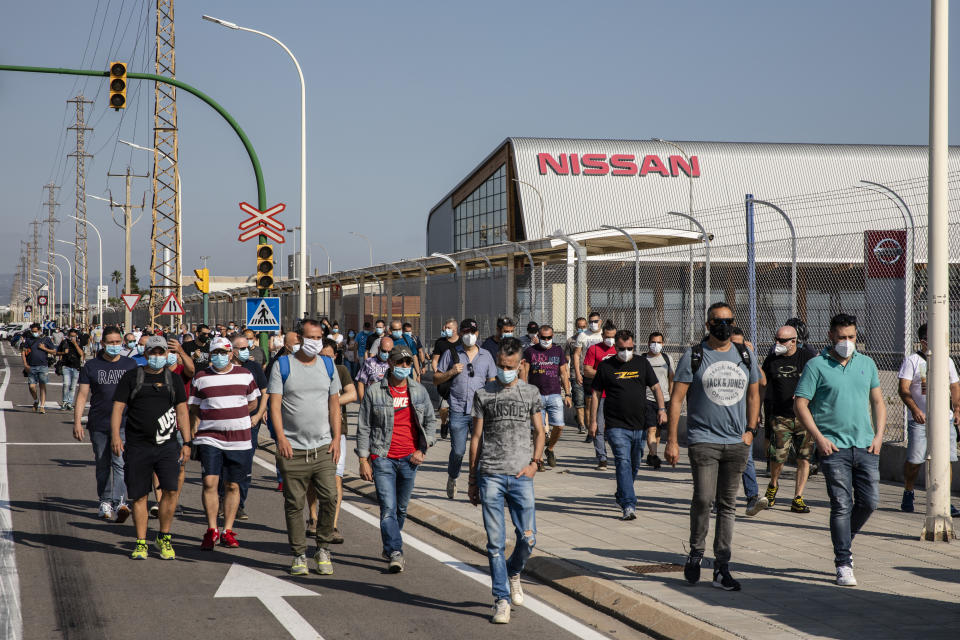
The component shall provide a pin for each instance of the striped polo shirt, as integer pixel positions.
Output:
(222, 398)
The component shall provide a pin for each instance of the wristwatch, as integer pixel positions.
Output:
(752, 432)
(664, 409)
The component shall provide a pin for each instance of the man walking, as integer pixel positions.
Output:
(505, 329)
(663, 367)
(625, 380)
(576, 388)
(720, 382)
(35, 349)
(502, 471)
(546, 369)
(99, 377)
(782, 372)
(374, 367)
(585, 340)
(396, 427)
(597, 353)
(835, 397)
(448, 341)
(305, 411)
(154, 402)
(913, 393)
(468, 368)
(71, 359)
(243, 356)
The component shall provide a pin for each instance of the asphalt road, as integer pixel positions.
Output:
(76, 579)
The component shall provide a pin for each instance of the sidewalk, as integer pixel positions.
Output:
(907, 588)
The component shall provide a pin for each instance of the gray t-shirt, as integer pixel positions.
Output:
(717, 398)
(662, 366)
(506, 414)
(463, 385)
(306, 422)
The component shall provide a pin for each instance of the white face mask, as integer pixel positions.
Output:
(624, 355)
(311, 347)
(608, 341)
(594, 326)
(845, 348)
(295, 348)
(469, 339)
(546, 344)
(656, 347)
(780, 349)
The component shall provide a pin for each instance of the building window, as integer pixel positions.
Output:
(481, 219)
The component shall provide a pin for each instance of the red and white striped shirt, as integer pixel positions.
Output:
(223, 398)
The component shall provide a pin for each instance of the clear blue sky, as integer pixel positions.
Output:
(404, 98)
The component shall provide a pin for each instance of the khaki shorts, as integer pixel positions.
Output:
(787, 431)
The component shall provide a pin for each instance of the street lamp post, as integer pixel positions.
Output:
(706, 258)
(70, 265)
(369, 244)
(70, 276)
(303, 153)
(580, 292)
(294, 230)
(543, 228)
(460, 282)
(59, 288)
(100, 250)
(793, 257)
(329, 262)
(533, 290)
(636, 277)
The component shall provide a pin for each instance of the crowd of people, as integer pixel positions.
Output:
(157, 401)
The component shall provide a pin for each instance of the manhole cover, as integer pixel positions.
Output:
(664, 567)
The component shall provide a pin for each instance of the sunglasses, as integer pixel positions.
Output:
(785, 340)
(470, 371)
(719, 321)
(406, 362)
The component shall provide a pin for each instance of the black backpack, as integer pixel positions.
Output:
(167, 379)
(696, 356)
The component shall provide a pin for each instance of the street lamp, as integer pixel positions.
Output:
(303, 153)
(100, 247)
(543, 229)
(60, 288)
(70, 275)
(294, 230)
(369, 244)
(329, 262)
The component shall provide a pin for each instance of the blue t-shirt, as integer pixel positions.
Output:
(717, 398)
(463, 386)
(37, 357)
(103, 376)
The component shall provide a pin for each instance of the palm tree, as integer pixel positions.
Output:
(117, 276)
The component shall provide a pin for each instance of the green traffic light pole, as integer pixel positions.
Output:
(257, 171)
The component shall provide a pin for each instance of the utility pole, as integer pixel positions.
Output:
(80, 293)
(128, 223)
(34, 247)
(52, 204)
(165, 265)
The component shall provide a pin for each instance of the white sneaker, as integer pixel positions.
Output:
(501, 611)
(516, 590)
(845, 577)
(106, 511)
(451, 487)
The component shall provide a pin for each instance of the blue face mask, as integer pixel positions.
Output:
(132, 344)
(383, 355)
(156, 362)
(35, 334)
(351, 334)
(446, 333)
(580, 329)
(507, 334)
(396, 334)
(506, 376)
(335, 330)
(140, 349)
(243, 355)
(219, 360)
(379, 331)
(408, 334)
(401, 372)
(171, 359)
(113, 349)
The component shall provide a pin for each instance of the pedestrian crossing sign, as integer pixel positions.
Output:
(263, 314)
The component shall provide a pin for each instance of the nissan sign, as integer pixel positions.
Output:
(618, 164)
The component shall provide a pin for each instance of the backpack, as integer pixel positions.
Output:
(284, 363)
(696, 355)
(167, 380)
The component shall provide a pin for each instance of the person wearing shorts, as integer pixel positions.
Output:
(153, 401)
(545, 367)
(348, 394)
(35, 348)
(576, 388)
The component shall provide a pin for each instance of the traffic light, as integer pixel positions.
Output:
(203, 280)
(264, 266)
(118, 85)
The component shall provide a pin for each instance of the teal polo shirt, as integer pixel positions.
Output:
(840, 397)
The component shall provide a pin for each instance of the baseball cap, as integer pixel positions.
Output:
(399, 352)
(220, 343)
(469, 325)
(154, 342)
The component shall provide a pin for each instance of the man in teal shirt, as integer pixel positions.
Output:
(837, 393)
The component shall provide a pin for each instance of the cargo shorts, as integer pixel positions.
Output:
(786, 432)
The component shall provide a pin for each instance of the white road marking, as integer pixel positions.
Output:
(44, 444)
(244, 582)
(540, 608)
(11, 620)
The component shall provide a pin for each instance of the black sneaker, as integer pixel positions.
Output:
(723, 580)
(654, 461)
(242, 514)
(444, 430)
(588, 439)
(691, 570)
(551, 458)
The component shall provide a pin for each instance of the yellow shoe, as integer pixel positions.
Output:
(140, 550)
(165, 546)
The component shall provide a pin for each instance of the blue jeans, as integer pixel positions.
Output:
(627, 446)
(599, 443)
(109, 469)
(459, 432)
(853, 484)
(70, 377)
(393, 479)
(497, 491)
(552, 410)
(749, 477)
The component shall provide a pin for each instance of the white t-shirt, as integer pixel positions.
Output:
(586, 340)
(914, 368)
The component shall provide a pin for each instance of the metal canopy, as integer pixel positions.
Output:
(607, 241)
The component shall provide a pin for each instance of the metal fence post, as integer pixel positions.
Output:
(636, 279)
(460, 282)
(706, 259)
(533, 270)
(580, 294)
(751, 270)
(793, 262)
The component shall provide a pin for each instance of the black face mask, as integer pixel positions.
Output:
(721, 330)
(202, 337)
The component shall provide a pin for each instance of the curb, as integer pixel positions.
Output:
(638, 610)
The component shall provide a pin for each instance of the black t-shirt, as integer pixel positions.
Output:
(442, 345)
(259, 378)
(626, 386)
(199, 353)
(151, 417)
(783, 373)
(69, 355)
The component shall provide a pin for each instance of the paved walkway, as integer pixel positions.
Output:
(907, 588)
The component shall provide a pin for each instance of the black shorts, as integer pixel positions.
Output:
(652, 416)
(141, 461)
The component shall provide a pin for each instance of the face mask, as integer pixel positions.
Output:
(132, 344)
(35, 334)
(721, 331)
(379, 331)
(656, 347)
(140, 349)
(231, 327)
(624, 355)
(401, 372)
(608, 341)
(202, 338)
(243, 355)
(396, 334)
(114, 349)
(351, 334)
(546, 343)
(469, 339)
(780, 349)
(507, 334)
(335, 330)
(506, 376)
(408, 334)
(172, 359)
(311, 347)
(157, 362)
(580, 329)
(219, 360)
(446, 333)
(532, 334)
(383, 355)
(594, 326)
(295, 348)
(845, 348)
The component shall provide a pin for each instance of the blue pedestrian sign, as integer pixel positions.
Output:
(263, 314)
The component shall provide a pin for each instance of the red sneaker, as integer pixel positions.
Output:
(229, 539)
(280, 487)
(209, 540)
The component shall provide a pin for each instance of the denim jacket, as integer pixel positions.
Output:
(375, 430)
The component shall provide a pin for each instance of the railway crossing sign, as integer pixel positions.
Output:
(263, 314)
(261, 223)
(171, 306)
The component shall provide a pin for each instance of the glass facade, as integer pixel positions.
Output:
(481, 219)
